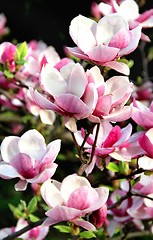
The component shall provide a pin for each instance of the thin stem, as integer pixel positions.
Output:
(25, 229)
(95, 141)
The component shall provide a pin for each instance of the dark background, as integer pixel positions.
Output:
(46, 20)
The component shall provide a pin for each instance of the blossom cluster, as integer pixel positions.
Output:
(91, 87)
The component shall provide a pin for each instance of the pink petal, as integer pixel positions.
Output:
(118, 66)
(71, 104)
(121, 39)
(48, 77)
(103, 105)
(21, 185)
(77, 81)
(42, 101)
(136, 35)
(59, 214)
(77, 53)
(84, 224)
(9, 148)
(120, 115)
(24, 165)
(51, 194)
(113, 137)
(82, 198)
(73, 181)
(7, 171)
(102, 54)
(32, 143)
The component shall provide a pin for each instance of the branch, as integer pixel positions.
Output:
(25, 229)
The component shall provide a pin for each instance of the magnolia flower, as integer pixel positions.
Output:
(70, 92)
(105, 41)
(112, 142)
(129, 10)
(111, 103)
(28, 158)
(142, 115)
(72, 200)
(37, 233)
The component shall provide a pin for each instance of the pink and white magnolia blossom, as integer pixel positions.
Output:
(105, 41)
(142, 114)
(28, 158)
(129, 10)
(112, 142)
(69, 92)
(36, 233)
(146, 143)
(111, 104)
(72, 200)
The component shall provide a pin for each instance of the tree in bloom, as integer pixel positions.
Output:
(85, 167)
(28, 158)
(74, 202)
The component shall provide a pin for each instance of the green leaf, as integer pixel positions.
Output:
(32, 205)
(63, 228)
(134, 181)
(113, 167)
(21, 62)
(8, 74)
(87, 234)
(16, 212)
(123, 167)
(33, 218)
(21, 51)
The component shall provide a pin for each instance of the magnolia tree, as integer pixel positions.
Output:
(77, 132)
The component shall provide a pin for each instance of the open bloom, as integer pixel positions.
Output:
(69, 92)
(104, 42)
(71, 200)
(111, 142)
(129, 10)
(28, 158)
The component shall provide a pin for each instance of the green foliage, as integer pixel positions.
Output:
(32, 205)
(63, 228)
(87, 234)
(21, 52)
(113, 167)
